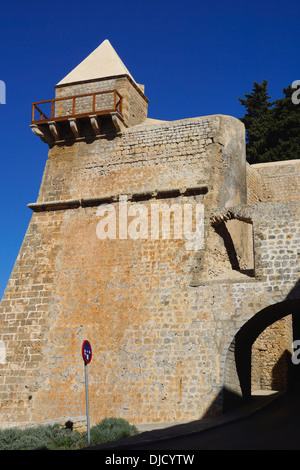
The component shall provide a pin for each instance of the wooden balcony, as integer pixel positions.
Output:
(50, 117)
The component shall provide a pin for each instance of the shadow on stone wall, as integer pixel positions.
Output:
(242, 347)
(228, 400)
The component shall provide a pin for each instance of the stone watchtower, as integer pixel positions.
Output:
(160, 313)
(98, 97)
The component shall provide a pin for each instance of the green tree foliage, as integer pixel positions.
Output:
(272, 128)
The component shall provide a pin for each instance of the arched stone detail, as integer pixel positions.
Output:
(237, 354)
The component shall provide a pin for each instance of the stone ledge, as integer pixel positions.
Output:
(106, 199)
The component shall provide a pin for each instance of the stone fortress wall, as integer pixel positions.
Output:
(163, 319)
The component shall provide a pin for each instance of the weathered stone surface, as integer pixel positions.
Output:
(161, 319)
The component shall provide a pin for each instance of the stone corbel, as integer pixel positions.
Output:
(54, 130)
(42, 132)
(95, 124)
(36, 130)
(74, 127)
(117, 122)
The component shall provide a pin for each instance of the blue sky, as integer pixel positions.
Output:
(194, 57)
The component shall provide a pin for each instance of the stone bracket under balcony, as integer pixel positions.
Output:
(68, 123)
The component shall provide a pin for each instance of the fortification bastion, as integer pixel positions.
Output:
(165, 317)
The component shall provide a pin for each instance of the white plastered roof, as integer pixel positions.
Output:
(101, 63)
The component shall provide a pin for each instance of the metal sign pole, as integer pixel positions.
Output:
(87, 404)
(86, 351)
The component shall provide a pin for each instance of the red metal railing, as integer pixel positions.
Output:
(60, 111)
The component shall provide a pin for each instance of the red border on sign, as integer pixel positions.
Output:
(82, 351)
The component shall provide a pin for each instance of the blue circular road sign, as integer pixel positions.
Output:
(86, 352)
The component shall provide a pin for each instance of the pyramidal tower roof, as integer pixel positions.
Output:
(101, 63)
